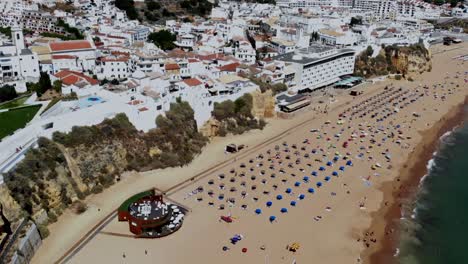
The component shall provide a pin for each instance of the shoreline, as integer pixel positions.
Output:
(343, 232)
(385, 221)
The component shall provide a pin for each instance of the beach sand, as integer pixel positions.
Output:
(331, 239)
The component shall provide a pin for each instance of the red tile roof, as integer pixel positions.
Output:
(63, 57)
(119, 59)
(172, 67)
(73, 77)
(229, 67)
(210, 56)
(192, 82)
(70, 45)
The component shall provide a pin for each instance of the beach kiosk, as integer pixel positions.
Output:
(149, 216)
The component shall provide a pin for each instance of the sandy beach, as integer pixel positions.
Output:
(382, 130)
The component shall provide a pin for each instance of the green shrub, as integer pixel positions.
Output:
(97, 189)
(43, 231)
(80, 207)
(52, 217)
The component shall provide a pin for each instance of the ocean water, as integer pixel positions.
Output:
(435, 230)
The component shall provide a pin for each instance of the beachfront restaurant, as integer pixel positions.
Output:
(348, 82)
(289, 102)
(291, 107)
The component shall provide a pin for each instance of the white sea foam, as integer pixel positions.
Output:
(414, 214)
(422, 179)
(446, 134)
(431, 163)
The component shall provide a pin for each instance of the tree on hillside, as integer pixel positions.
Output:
(43, 85)
(7, 93)
(163, 39)
(355, 21)
(129, 7)
(58, 86)
(369, 51)
(73, 31)
(151, 5)
(236, 117)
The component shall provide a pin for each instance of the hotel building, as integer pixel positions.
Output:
(317, 66)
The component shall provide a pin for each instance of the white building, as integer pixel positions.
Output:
(185, 41)
(318, 66)
(111, 68)
(282, 46)
(245, 52)
(334, 38)
(83, 50)
(16, 61)
(64, 62)
(380, 8)
(307, 3)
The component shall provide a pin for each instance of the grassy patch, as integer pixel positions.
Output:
(14, 103)
(14, 119)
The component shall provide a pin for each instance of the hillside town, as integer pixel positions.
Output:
(77, 63)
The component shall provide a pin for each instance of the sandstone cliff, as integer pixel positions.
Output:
(88, 159)
(263, 104)
(394, 60)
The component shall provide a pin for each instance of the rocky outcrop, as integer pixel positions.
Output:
(211, 128)
(419, 64)
(89, 159)
(10, 208)
(263, 104)
(394, 60)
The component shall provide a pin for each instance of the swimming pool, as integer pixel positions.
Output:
(89, 101)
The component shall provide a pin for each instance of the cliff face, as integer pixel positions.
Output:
(263, 104)
(394, 60)
(10, 208)
(419, 64)
(88, 159)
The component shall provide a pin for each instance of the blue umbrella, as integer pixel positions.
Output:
(311, 190)
(301, 197)
(342, 168)
(314, 173)
(335, 173)
(284, 210)
(329, 163)
(221, 197)
(322, 168)
(327, 178)
(279, 197)
(349, 163)
(314, 151)
(297, 184)
(293, 203)
(258, 211)
(306, 179)
(288, 190)
(319, 184)
(336, 158)
(269, 203)
(272, 218)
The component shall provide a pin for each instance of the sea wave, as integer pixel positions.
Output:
(421, 209)
(431, 163)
